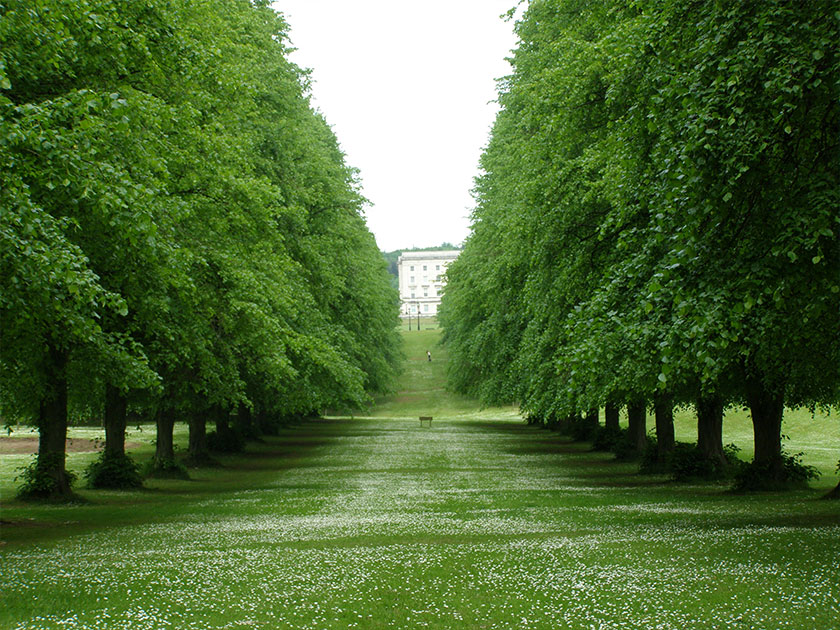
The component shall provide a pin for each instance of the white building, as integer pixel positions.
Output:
(421, 280)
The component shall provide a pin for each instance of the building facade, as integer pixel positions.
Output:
(421, 280)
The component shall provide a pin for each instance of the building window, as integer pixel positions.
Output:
(411, 268)
(437, 267)
(424, 267)
(425, 292)
(426, 307)
(412, 294)
(411, 280)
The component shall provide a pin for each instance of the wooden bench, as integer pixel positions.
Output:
(426, 419)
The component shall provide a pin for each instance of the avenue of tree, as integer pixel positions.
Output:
(657, 221)
(180, 237)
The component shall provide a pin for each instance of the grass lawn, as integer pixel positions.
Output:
(422, 385)
(374, 522)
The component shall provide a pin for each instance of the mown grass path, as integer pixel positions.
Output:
(476, 522)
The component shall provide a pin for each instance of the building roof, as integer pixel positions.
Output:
(449, 254)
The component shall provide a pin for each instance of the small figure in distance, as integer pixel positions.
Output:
(429, 354)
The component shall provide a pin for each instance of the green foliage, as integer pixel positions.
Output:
(787, 472)
(688, 463)
(658, 210)
(624, 447)
(177, 220)
(607, 439)
(158, 468)
(228, 442)
(649, 462)
(115, 471)
(40, 479)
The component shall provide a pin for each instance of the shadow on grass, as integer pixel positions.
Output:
(97, 510)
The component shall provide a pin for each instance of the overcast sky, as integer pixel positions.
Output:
(408, 88)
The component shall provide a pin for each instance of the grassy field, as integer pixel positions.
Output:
(374, 522)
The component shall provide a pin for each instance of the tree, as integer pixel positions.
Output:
(661, 177)
(182, 233)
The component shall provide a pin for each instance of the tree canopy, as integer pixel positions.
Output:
(658, 214)
(178, 224)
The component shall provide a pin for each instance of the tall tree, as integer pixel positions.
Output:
(661, 175)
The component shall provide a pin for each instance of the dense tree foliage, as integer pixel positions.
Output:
(179, 233)
(657, 219)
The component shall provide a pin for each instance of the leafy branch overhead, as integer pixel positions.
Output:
(178, 225)
(658, 214)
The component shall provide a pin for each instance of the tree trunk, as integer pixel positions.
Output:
(592, 418)
(197, 450)
(766, 408)
(636, 417)
(260, 421)
(52, 429)
(663, 408)
(227, 440)
(245, 422)
(834, 494)
(220, 420)
(164, 464)
(116, 407)
(164, 444)
(710, 428)
(267, 423)
(567, 424)
(611, 417)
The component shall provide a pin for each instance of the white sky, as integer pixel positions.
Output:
(407, 87)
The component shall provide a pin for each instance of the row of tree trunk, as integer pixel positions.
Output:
(52, 427)
(766, 411)
(766, 408)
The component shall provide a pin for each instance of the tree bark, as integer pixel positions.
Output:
(267, 423)
(663, 408)
(710, 428)
(227, 440)
(592, 417)
(116, 407)
(567, 423)
(220, 420)
(245, 422)
(636, 417)
(164, 444)
(52, 426)
(197, 450)
(611, 417)
(766, 408)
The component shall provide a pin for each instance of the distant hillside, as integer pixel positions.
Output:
(392, 257)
